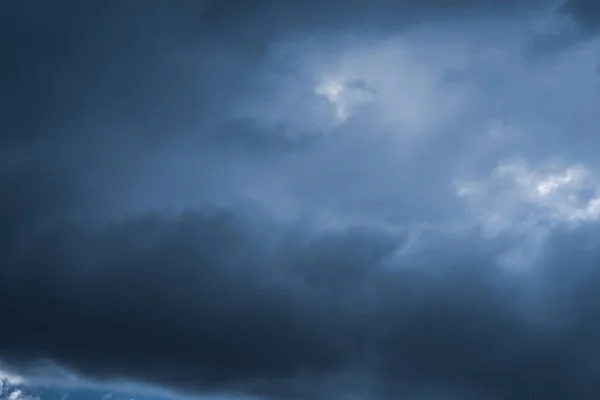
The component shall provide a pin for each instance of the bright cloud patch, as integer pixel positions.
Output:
(527, 203)
(333, 90)
(401, 81)
(9, 379)
(344, 96)
(517, 192)
(11, 388)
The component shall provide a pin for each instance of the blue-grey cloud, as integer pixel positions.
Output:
(215, 301)
(303, 200)
(585, 12)
(577, 21)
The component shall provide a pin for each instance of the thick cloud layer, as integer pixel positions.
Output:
(301, 199)
(217, 301)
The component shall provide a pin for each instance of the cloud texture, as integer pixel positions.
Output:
(303, 200)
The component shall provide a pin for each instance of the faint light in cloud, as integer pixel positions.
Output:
(401, 80)
(334, 91)
(572, 176)
(516, 192)
(17, 394)
(8, 378)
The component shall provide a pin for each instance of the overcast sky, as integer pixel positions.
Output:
(308, 200)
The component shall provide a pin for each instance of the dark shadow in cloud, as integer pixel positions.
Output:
(582, 24)
(360, 85)
(454, 77)
(125, 68)
(218, 301)
(585, 12)
(248, 135)
(52, 52)
(312, 16)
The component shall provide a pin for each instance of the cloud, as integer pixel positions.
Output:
(555, 193)
(246, 134)
(572, 23)
(11, 388)
(295, 201)
(221, 302)
(383, 15)
(9, 379)
(585, 12)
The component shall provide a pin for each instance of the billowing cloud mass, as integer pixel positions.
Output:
(305, 200)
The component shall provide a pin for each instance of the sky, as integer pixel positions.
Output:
(303, 200)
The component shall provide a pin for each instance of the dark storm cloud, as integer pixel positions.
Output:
(289, 17)
(585, 12)
(101, 101)
(221, 301)
(583, 18)
(111, 66)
